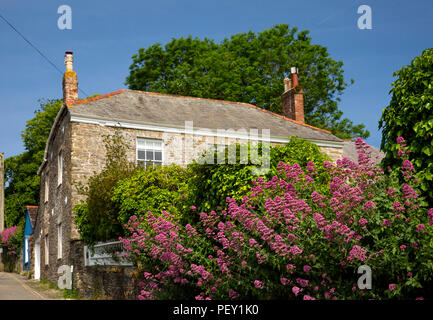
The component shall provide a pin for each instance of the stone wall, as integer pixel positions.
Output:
(56, 211)
(334, 153)
(102, 282)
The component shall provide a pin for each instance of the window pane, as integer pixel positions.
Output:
(157, 144)
(149, 155)
(141, 154)
(158, 155)
(141, 143)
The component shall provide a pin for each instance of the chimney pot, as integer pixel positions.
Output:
(294, 72)
(70, 83)
(287, 84)
(293, 97)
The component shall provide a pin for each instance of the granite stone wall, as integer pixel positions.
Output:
(102, 282)
(56, 211)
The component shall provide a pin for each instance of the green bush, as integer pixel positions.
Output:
(96, 217)
(211, 184)
(153, 189)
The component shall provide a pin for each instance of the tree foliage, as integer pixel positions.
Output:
(248, 67)
(410, 114)
(22, 180)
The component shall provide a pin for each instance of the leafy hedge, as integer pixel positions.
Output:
(155, 189)
(210, 184)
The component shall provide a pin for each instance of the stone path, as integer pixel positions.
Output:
(16, 287)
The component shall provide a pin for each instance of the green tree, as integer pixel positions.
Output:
(410, 115)
(22, 180)
(249, 68)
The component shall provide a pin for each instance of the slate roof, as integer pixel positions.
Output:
(350, 152)
(142, 107)
(33, 214)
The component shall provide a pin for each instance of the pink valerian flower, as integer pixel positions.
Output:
(311, 167)
(233, 294)
(402, 247)
(369, 205)
(409, 192)
(386, 223)
(302, 282)
(391, 192)
(259, 284)
(400, 140)
(307, 297)
(290, 267)
(420, 227)
(362, 221)
(295, 250)
(430, 216)
(191, 232)
(7, 234)
(391, 287)
(397, 206)
(307, 268)
(296, 290)
(407, 165)
(260, 258)
(357, 252)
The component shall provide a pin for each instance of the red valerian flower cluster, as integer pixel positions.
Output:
(300, 235)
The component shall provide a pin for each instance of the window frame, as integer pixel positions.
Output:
(60, 168)
(47, 249)
(46, 187)
(139, 161)
(59, 241)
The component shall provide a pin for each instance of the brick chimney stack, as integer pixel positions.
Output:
(293, 98)
(70, 83)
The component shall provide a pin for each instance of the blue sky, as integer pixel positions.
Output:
(105, 34)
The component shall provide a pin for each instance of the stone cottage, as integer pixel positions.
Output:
(161, 129)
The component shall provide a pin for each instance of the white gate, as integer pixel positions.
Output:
(105, 254)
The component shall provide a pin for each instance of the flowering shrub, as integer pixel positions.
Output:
(287, 240)
(9, 239)
(211, 184)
